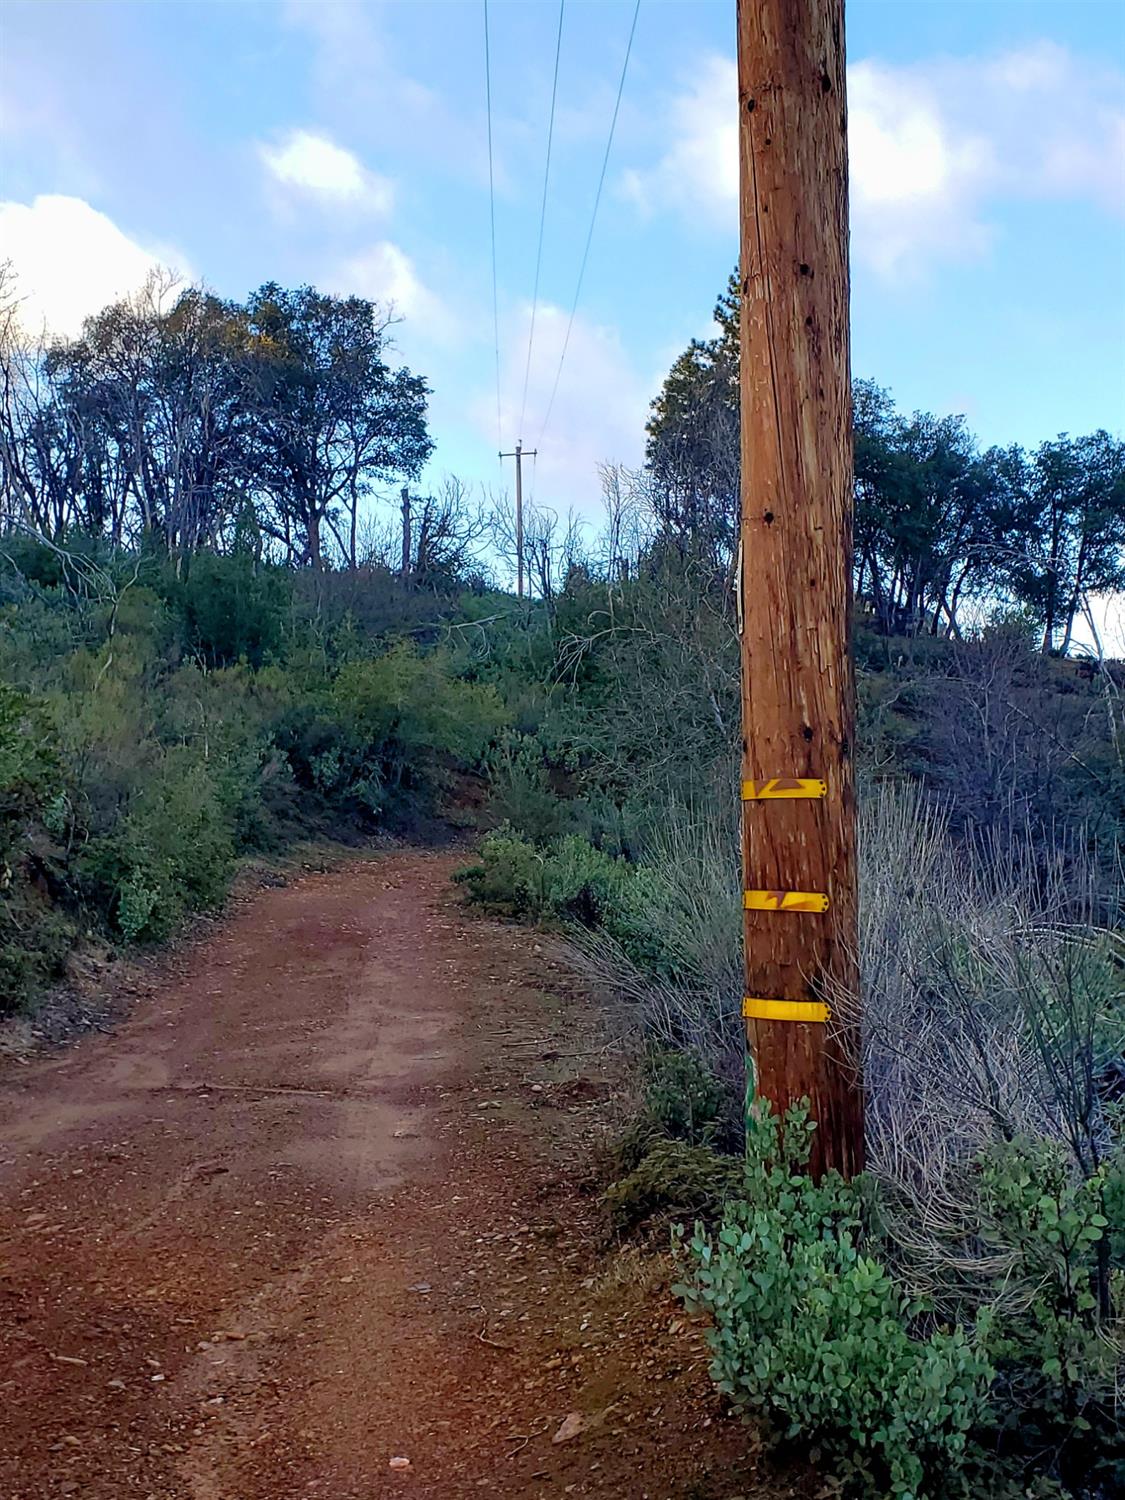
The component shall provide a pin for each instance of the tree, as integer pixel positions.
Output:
(445, 531)
(136, 424)
(692, 449)
(1066, 508)
(329, 416)
(925, 518)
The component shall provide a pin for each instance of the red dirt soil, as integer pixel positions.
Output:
(315, 1206)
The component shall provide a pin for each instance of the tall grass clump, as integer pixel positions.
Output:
(992, 1021)
(689, 997)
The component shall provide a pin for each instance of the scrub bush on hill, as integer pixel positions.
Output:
(172, 853)
(30, 776)
(811, 1330)
(568, 881)
(385, 727)
(34, 818)
(235, 611)
(157, 724)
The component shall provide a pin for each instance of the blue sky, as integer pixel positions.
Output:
(345, 144)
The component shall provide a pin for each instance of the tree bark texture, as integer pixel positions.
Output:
(796, 529)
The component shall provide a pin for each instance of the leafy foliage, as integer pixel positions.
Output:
(34, 813)
(671, 1161)
(810, 1328)
(671, 1180)
(1052, 1336)
(170, 723)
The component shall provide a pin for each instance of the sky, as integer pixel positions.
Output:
(346, 145)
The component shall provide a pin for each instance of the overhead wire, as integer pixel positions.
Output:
(492, 224)
(593, 221)
(542, 217)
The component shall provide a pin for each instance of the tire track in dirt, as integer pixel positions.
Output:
(316, 1205)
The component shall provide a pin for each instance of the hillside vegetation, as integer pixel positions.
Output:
(211, 644)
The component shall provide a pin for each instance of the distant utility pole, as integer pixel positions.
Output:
(798, 786)
(405, 532)
(519, 455)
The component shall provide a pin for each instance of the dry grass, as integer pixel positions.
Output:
(991, 996)
(693, 909)
(991, 999)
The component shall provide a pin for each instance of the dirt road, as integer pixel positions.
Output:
(314, 1207)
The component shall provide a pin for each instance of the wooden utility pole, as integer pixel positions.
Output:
(405, 533)
(519, 455)
(798, 789)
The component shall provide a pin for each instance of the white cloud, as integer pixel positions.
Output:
(700, 171)
(313, 166)
(934, 146)
(916, 179)
(598, 413)
(384, 273)
(361, 84)
(71, 261)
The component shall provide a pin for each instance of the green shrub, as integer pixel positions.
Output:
(581, 884)
(30, 775)
(35, 942)
(810, 1330)
(681, 1101)
(672, 1179)
(411, 702)
(388, 726)
(508, 879)
(571, 881)
(173, 853)
(521, 791)
(234, 610)
(1057, 1334)
(682, 1097)
(35, 811)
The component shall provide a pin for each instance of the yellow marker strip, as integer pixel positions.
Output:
(779, 787)
(784, 1010)
(784, 901)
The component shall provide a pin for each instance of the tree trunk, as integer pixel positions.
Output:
(314, 538)
(797, 501)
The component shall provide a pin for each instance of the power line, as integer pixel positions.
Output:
(542, 216)
(492, 222)
(593, 220)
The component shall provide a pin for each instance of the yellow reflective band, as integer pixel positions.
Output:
(784, 1010)
(783, 786)
(784, 901)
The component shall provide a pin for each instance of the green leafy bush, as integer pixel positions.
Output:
(234, 610)
(173, 853)
(681, 1101)
(581, 884)
(1057, 1338)
(30, 775)
(670, 1160)
(569, 881)
(810, 1329)
(521, 792)
(683, 1098)
(508, 880)
(671, 1179)
(388, 726)
(34, 813)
